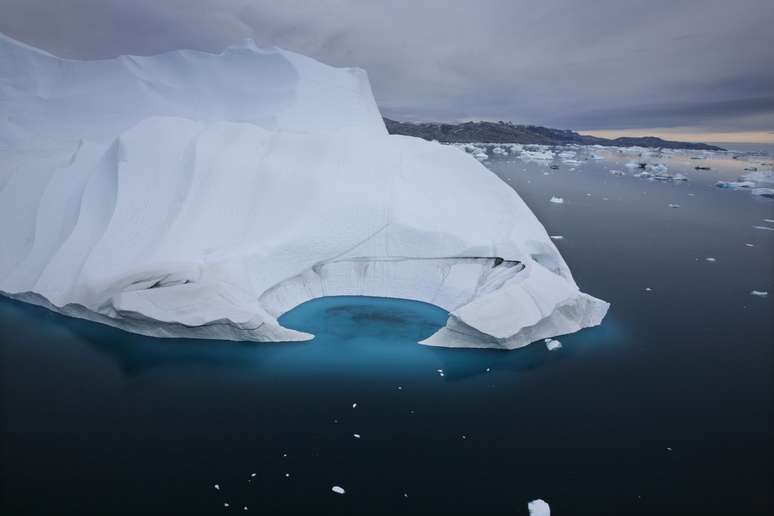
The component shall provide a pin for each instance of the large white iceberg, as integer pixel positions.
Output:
(204, 195)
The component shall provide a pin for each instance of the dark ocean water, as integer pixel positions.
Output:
(667, 408)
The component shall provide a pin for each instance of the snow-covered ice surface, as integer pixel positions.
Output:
(204, 195)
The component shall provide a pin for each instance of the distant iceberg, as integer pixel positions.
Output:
(191, 194)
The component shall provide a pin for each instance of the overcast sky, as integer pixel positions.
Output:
(602, 64)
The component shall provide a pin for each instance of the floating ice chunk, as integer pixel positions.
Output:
(657, 167)
(338, 490)
(557, 200)
(648, 289)
(710, 259)
(557, 237)
(674, 205)
(759, 293)
(765, 228)
(735, 185)
(763, 192)
(553, 344)
(770, 221)
(354, 405)
(750, 245)
(132, 232)
(538, 508)
(356, 436)
(617, 173)
(217, 487)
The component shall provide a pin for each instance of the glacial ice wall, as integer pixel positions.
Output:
(203, 195)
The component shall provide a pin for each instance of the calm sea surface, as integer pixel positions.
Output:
(668, 407)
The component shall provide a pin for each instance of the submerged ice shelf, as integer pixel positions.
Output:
(204, 195)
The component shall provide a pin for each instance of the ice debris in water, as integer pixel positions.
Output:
(674, 205)
(710, 259)
(759, 293)
(338, 490)
(557, 237)
(553, 344)
(735, 185)
(538, 508)
(557, 200)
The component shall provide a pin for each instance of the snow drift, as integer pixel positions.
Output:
(203, 195)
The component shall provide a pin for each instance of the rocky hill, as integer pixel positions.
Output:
(507, 132)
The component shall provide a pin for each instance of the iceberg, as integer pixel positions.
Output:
(191, 194)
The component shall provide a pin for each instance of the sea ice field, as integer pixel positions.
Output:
(666, 407)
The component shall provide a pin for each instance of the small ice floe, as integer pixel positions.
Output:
(244, 508)
(338, 490)
(669, 449)
(217, 487)
(287, 475)
(710, 259)
(765, 228)
(617, 173)
(440, 372)
(759, 293)
(225, 504)
(356, 436)
(553, 344)
(252, 475)
(557, 200)
(759, 176)
(735, 185)
(749, 245)
(538, 508)
(770, 221)
(500, 151)
(648, 289)
(659, 168)
(557, 237)
(354, 405)
(763, 192)
(674, 205)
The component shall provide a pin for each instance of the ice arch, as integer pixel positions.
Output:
(203, 195)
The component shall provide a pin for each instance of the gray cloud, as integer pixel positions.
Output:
(583, 65)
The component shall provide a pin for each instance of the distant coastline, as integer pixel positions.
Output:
(507, 132)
